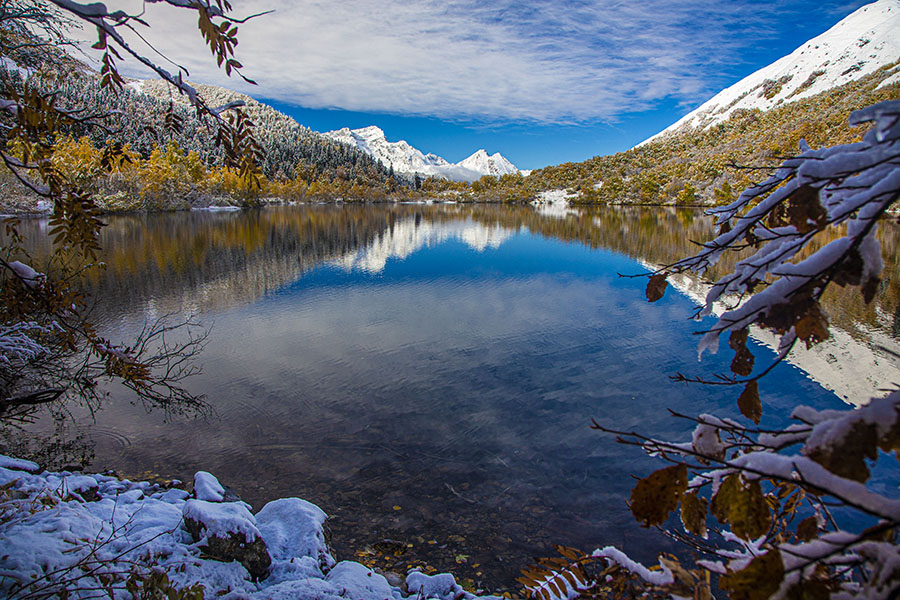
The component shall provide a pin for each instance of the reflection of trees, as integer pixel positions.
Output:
(210, 260)
(663, 235)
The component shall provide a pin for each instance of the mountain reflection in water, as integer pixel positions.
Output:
(428, 374)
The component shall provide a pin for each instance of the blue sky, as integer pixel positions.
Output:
(540, 81)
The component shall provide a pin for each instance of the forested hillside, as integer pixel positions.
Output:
(140, 122)
(175, 160)
(706, 166)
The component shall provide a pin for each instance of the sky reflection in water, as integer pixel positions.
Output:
(434, 380)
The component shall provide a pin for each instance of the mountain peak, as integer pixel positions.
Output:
(858, 45)
(370, 132)
(407, 159)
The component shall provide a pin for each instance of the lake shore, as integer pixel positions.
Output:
(88, 532)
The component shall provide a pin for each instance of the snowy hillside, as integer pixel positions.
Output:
(407, 159)
(858, 45)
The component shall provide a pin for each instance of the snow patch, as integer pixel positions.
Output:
(554, 203)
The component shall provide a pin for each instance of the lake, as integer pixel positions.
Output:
(427, 374)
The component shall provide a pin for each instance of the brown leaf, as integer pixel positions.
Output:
(847, 456)
(693, 514)
(749, 402)
(656, 287)
(657, 495)
(809, 589)
(812, 328)
(804, 210)
(681, 574)
(743, 358)
(758, 580)
(870, 288)
(850, 269)
(807, 529)
(779, 317)
(741, 505)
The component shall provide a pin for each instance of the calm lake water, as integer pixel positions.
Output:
(425, 374)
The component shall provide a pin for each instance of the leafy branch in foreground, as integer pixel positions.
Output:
(795, 511)
(49, 349)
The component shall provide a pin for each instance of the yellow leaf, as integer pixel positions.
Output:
(693, 514)
(758, 580)
(741, 505)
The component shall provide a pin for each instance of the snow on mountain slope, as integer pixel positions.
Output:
(494, 164)
(407, 159)
(861, 43)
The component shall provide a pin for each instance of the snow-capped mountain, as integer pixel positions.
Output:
(493, 164)
(407, 159)
(861, 43)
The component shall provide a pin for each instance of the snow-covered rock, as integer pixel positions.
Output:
(18, 464)
(358, 582)
(861, 43)
(442, 586)
(227, 531)
(293, 528)
(405, 158)
(70, 547)
(207, 487)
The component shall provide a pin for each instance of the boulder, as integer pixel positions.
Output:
(229, 533)
(293, 528)
(358, 582)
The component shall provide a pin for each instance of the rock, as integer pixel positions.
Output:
(84, 486)
(18, 464)
(358, 582)
(207, 487)
(394, 579)
(442, 586)
(294, 528)
(230, 532)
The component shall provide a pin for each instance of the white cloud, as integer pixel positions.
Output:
(531, 60)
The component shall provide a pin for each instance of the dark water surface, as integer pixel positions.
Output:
(427, 375)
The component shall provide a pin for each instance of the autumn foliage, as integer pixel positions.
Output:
(765, 511)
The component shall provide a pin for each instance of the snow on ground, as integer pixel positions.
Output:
(75, 531)
(136, 85)
(554, 203)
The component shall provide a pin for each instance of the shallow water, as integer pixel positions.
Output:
(427, 375)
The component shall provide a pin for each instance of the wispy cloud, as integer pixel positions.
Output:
(520, 60)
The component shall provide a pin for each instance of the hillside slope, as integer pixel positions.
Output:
(857, 46)
(705, 166)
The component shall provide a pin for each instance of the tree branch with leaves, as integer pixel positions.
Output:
(778, 497)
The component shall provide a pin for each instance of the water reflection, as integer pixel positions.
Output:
(426, 374)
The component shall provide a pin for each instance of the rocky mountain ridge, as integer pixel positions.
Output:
(407, 159)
